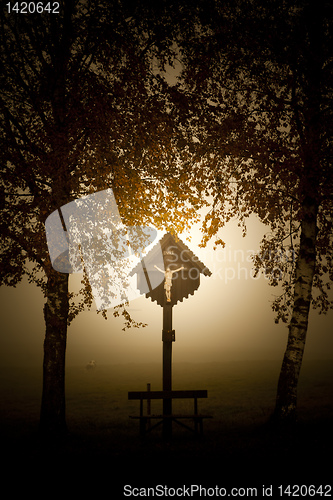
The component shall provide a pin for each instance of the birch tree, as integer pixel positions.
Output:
(79, 114)
(255, 98)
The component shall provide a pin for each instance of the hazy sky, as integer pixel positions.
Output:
(228, 318)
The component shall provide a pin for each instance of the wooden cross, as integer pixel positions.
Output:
(182, 270)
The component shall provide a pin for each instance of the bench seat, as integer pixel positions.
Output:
(145, 424)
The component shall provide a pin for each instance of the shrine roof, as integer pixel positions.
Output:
(164, 243)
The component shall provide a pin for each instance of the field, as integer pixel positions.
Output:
(237, 445)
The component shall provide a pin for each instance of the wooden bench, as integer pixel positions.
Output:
(145, 419)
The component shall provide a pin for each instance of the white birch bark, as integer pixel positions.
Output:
(286, 402)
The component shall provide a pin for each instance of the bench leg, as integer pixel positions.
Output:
(143, 422)
(167, 428)
(198, 426)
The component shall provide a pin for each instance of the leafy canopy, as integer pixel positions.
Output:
(81, 111)
(255, 97)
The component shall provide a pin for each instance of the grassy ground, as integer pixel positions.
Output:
(238, 446)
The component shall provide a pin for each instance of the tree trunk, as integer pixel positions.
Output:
(52, 417)
(286, 401)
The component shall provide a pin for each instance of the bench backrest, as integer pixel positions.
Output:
(167, 394)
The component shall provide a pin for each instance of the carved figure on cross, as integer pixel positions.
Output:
(168, 280)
